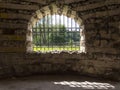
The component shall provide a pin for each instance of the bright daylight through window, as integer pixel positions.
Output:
(56, 33)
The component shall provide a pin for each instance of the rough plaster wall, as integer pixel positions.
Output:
(102, 30)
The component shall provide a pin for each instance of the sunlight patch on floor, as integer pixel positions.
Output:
(86, 85)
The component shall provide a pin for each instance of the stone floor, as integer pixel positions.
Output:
(58, 82)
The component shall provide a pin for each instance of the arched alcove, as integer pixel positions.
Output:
(50, 10)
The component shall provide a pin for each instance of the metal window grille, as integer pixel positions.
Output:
(56, 32)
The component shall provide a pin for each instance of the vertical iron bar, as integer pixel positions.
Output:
(40, 34)
(44, 33)
(36, 36)
(33, 36)
(48, 31)
(52, 30)
(64, 33)
(56, 31)
(68, 33)
(79, 38)
(71, 35)
(76, 36)
(60, 32)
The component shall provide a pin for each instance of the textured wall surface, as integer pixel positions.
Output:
(101, 20)
(91, 64)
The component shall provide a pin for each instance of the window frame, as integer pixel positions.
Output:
(52, 9)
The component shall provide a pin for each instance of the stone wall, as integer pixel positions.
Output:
(103, 65)
(101, 21)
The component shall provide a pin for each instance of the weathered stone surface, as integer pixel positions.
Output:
(100, 38)
(96, 64)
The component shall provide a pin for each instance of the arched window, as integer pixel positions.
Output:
(55, 27)
(56, 32)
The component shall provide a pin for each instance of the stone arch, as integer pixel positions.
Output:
(50, 10)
